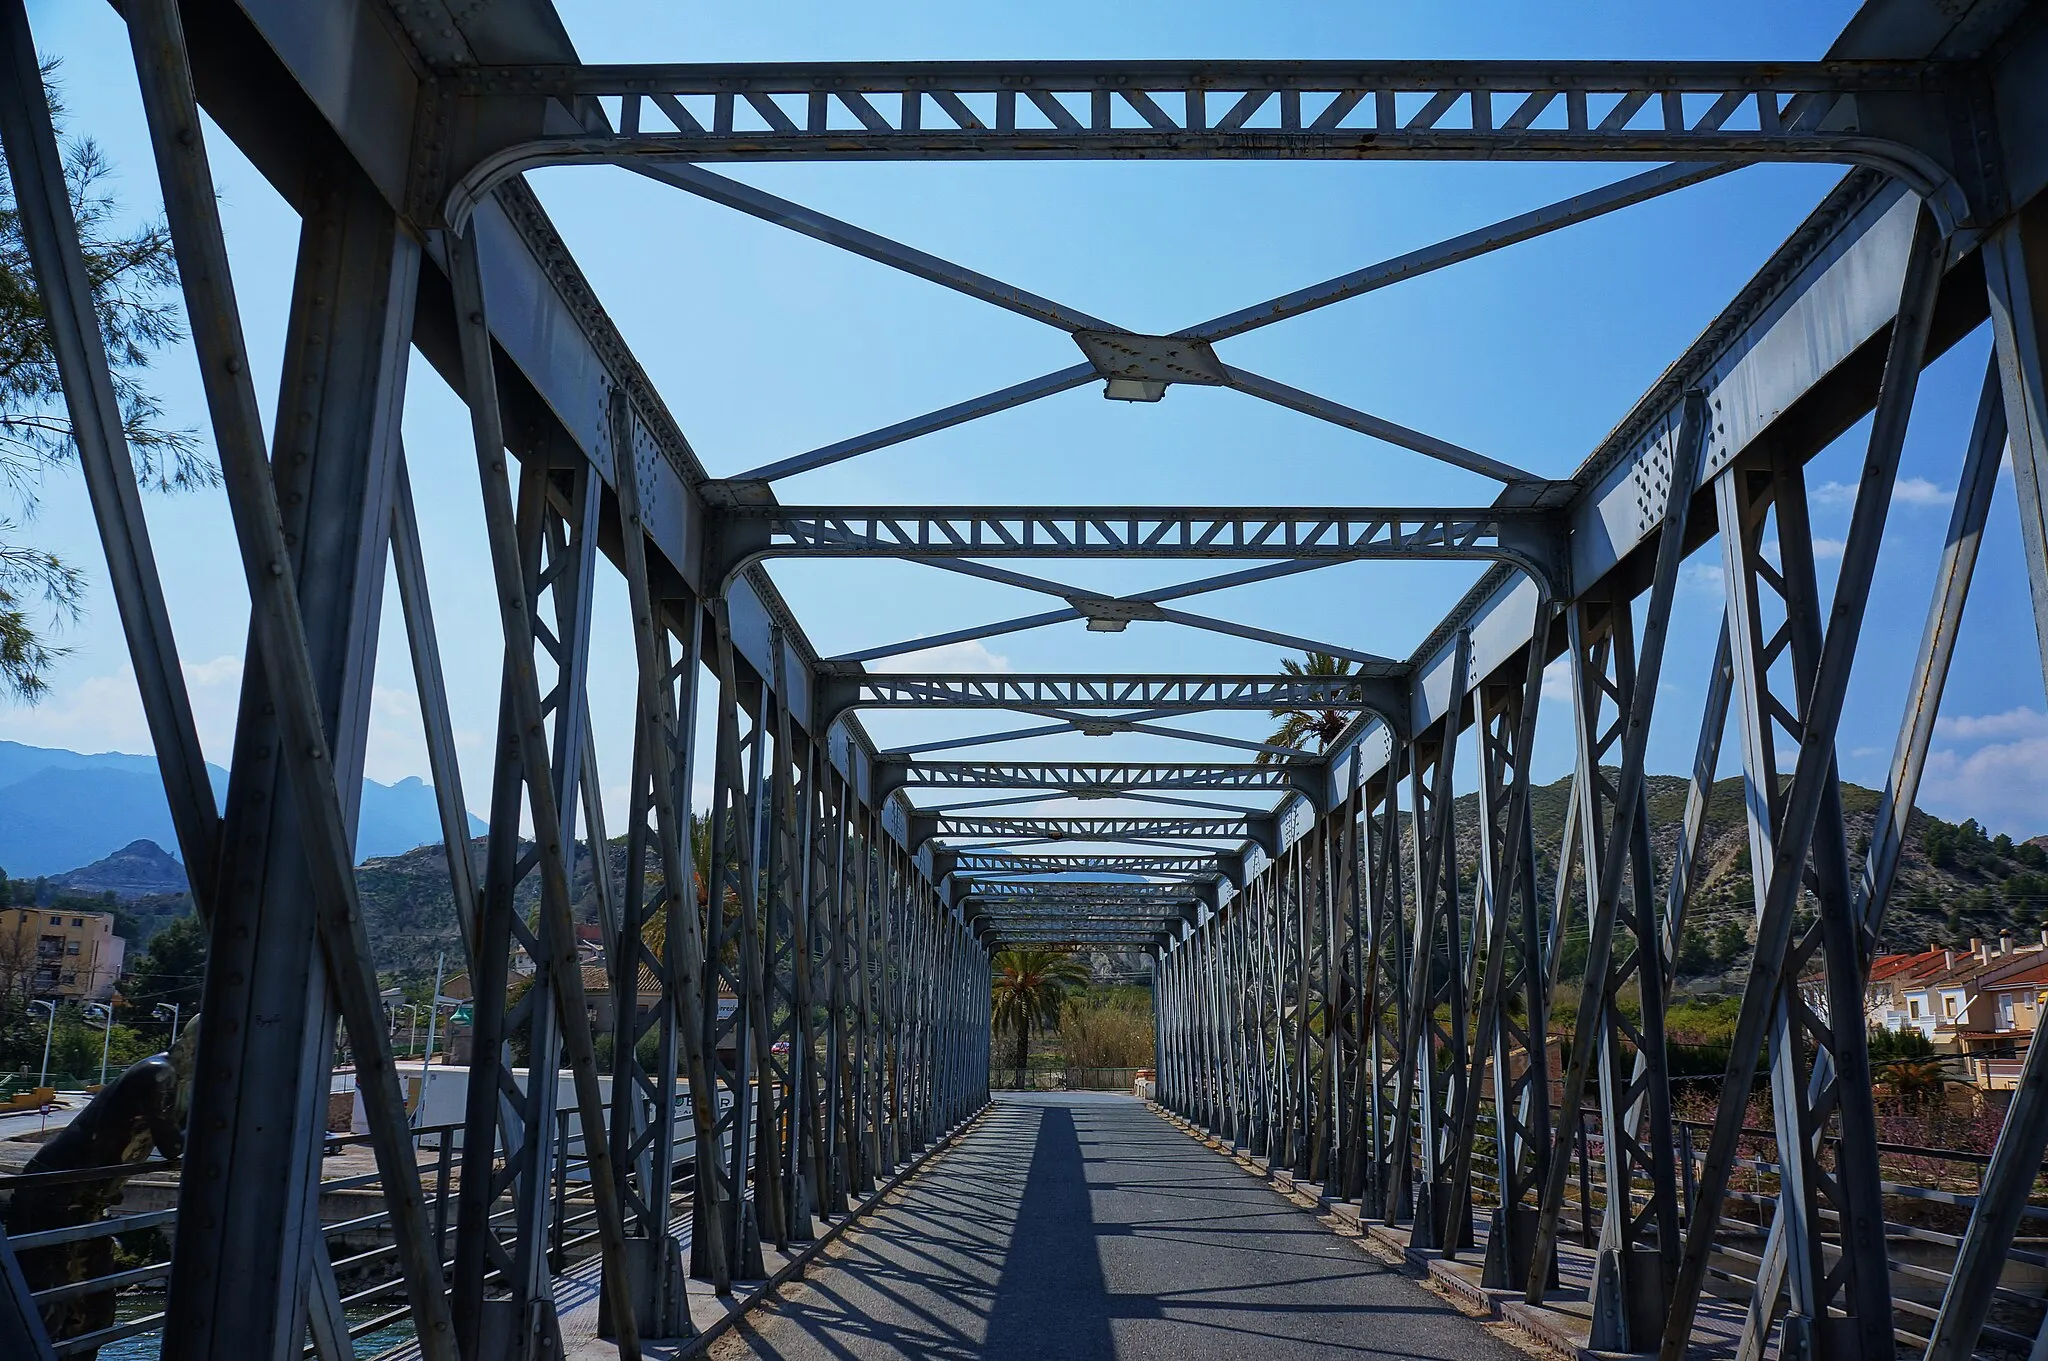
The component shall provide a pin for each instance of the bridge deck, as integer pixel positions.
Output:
(1081, 1225)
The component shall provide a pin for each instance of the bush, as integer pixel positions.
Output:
(1106, 1032)
(1887, 1044)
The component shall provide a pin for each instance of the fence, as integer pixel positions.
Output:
(1926, 1211)
(372, 1268)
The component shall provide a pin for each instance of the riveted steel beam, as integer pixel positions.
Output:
(1527, 536)
(1373, 688)
(1718, 111)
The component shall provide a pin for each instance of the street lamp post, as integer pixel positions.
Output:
(105, 1015)
(49, 1009)
(157, 1012)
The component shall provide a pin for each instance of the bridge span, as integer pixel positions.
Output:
(733, 977)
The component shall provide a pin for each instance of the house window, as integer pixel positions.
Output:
(56, 921)
(78, 921)
(71, 947)
(1948, 1007)
(1913, 1007)
(2005, 1011)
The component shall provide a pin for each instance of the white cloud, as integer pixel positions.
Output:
(1824, 549)
(1557, 679)
(1907, 491)
(1918, 491)
(968, 656)
(2003, 783)
(2020, 722)
(1703, 576)
(104, 713)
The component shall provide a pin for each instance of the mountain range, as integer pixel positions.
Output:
(63, 809)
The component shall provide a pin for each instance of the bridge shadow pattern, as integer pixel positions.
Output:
(1079, 1227)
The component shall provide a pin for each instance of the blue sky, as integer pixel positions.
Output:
(765, 344)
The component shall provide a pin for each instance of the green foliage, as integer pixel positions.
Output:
(1298, 726)
(2025, 892)
(1026, 992)
(647, 1052)
(134, 285)
(1730, 940)
(75, 1045)
(174, 970)
(1107, 1031)
(1695, 954)
(1700, 954)
(1887, 1044)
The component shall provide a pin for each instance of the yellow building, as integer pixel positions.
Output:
(63, 954)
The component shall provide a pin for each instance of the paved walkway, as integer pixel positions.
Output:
(1079, 1226)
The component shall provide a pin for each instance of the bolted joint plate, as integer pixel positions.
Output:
(1138, 368)
(1109, 615)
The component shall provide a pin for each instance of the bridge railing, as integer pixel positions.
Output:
(377, 1298)
(1928, 1193)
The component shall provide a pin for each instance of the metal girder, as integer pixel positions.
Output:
(1511, 1031)
(1094, 829)
(1413, 110)
(1380, 1166)
(2019, 291)
(732, 914)
(1098, 779)
(999, 893)
(644, 1124)
(1786, 829)
(547, 764)
(991, 862)
(1524, 535)
(299, 739)
(1160, 694)
(1434, 1036)
(1616, 687)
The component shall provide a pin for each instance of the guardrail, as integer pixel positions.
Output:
(1929, 1193)
(1940, 1194)
(572, 1228)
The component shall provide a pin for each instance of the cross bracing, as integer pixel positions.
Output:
(1333, 990)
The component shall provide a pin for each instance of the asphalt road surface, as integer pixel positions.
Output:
(1078, 1226)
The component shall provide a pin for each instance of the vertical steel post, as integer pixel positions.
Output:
(2016, 269)
(301, 755)
(1813, 798)
(1431, 1047)
(664, 752)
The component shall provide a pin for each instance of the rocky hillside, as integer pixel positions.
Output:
(138, 870)
(1954, 882)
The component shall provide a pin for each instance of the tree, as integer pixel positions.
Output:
(1695, 955)
(1297, 726)
(134, 284)
(1730, 941)
(1027, 989)
(174, 970)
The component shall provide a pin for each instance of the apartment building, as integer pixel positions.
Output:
(65, 955)
(1980, 1006)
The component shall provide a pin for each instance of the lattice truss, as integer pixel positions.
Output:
(1354, 950)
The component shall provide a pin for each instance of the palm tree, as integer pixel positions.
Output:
(1299, 725)
(1027, 990)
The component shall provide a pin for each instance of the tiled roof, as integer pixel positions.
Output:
(2035, 975)
(1887, 967)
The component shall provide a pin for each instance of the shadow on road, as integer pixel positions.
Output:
(1050, 1299)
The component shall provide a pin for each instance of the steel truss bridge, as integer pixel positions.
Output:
(1329, 996)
